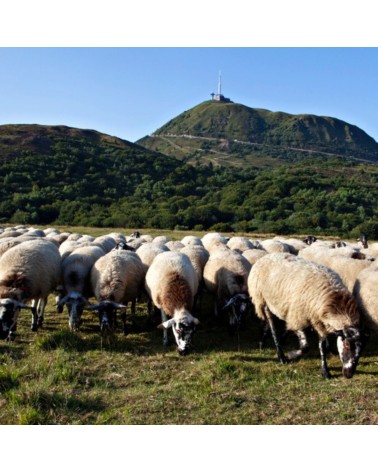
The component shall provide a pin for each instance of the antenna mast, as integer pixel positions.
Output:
(220, 84)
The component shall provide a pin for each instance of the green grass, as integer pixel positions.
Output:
(56, 377)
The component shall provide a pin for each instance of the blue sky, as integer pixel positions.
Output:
(131, 91)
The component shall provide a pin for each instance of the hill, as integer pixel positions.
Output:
(65, 176)
(234, 134)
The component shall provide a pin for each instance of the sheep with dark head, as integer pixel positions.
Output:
(225, 277)
(29, 271)
(306, 294)
(172, 283)
(76, 269)
(117, 278)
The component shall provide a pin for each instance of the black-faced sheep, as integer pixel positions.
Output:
(225, 276)
(29, 271)
(76, 268)
(306, 294)
(116, 279)
(172, 283)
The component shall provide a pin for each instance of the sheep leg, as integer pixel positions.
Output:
(264, 330)
(34, 325)
(165, 331)
(41, 311)
(303, 346)
(280, 353)
(323, 356)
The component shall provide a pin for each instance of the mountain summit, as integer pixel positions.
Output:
(226, 131)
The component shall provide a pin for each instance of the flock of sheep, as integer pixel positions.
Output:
(327, 286)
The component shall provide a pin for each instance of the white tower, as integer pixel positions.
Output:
(218, 96)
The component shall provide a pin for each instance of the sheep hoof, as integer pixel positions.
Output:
(284, 360)
(326, 375)
(40, 322)
(34, 327)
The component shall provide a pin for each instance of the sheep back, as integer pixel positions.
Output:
(302, 293)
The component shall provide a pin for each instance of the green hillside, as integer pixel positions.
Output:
(234, 134)
(65, 176)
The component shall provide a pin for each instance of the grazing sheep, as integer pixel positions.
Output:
(347, 267)
(239, 244)
(76, 268)
(252, 255)
(273, 245)
(28, 271)
(189, 240)
(174, 245)
(172, 283)
(116, 279)
(225, 276)
(107, 243)
(366, 294)
(303, 294)
(212, 241)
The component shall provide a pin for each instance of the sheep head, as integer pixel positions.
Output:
(9, 311)
(183, 327)
(107, 311)
(349, 345)
(75, 305)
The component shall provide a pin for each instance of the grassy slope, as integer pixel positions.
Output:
(275, 132)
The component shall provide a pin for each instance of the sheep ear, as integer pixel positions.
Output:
(167, 324)
(196, 321)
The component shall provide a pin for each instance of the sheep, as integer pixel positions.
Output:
(252, 255)
(239, 244)
(28, 271)
(365, 292)
(213, 240)
(174, 245)
(225, 276)
(347, 267)
(272, 245)
(76, 268)
(161, 240)
(172, 283)
(116, 279)
(189, 240)
(107, 243)
(306, 294)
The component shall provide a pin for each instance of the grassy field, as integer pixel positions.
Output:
(56, 377)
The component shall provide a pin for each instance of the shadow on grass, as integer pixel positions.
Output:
(46, 403)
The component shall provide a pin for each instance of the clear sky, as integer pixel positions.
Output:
(131, 91)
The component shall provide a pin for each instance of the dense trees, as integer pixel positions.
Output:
(81, 182)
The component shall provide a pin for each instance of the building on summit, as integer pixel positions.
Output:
(218, 97)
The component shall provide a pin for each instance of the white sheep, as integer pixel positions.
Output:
(366, 294)
(174, 245)
(172, 283)
(189, 240)
(306, 294)
(213, 241)
(347, 267)
(76, 268)
(116, 279)
(252, 255)
(225, 276)
(239, 244)
(29, 271)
